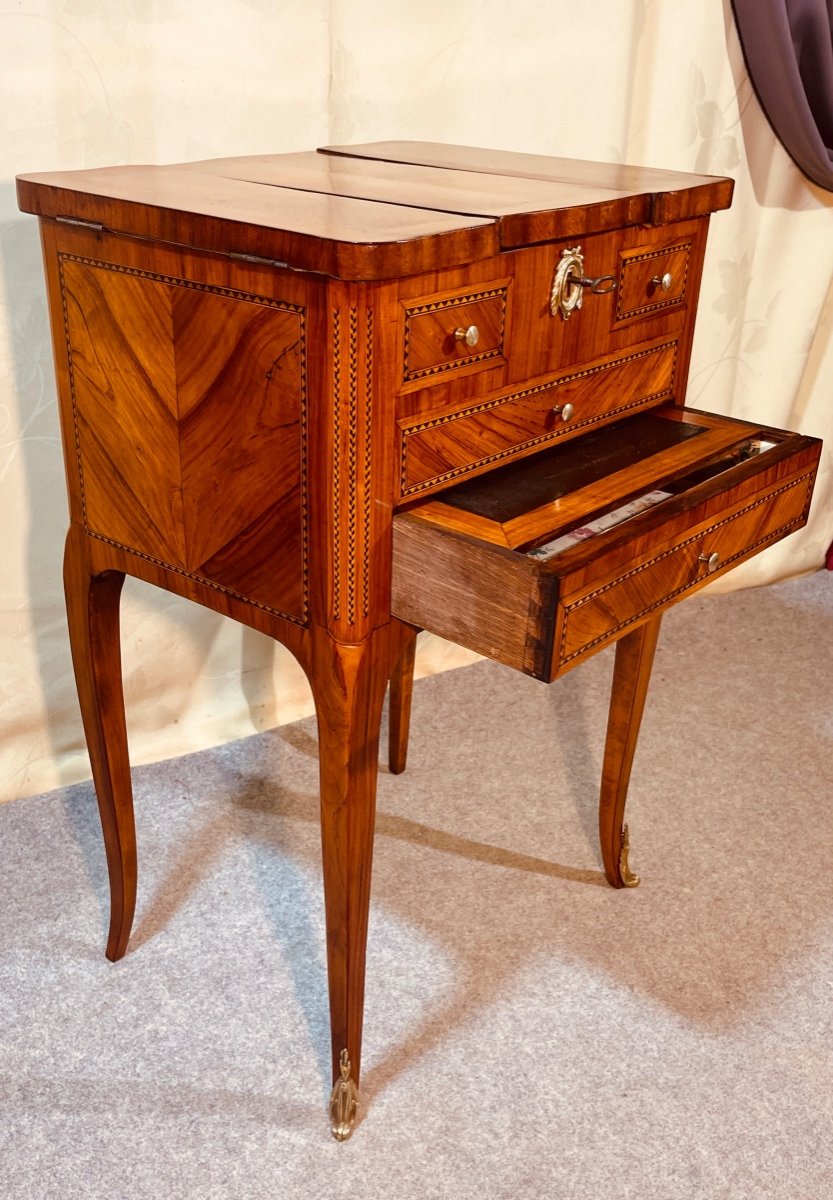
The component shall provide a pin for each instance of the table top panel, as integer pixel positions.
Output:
(361, 213)
(306, 230)
(706, 193)
(472, 193)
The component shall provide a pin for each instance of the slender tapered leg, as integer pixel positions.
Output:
(93, 617)
(631, 675)
(399, 708)
(348, 683)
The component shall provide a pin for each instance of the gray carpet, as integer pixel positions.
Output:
(529, 1031)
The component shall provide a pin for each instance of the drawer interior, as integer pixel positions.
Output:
(543, 561)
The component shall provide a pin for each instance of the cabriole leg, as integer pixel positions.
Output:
(348, 683)
(93, 616)
(399, 708)
(631, 675)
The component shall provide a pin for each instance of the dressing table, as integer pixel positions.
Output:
(346, 395)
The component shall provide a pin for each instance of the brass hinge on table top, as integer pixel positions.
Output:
(256, 259)
(95, 225)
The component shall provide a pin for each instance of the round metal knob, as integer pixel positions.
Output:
(565, 411)
(471, 335)
(712, 561)
(664, 281)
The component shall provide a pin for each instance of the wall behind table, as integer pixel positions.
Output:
(91, 82)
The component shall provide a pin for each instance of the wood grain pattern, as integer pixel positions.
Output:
(644, 194)
(119, 344)
(484, 597)
(430, 187)
(191, 448)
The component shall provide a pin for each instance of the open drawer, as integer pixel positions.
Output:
(543, 562)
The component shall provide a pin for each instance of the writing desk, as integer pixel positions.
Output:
(344, 395)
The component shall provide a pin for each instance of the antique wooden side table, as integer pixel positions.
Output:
(344, 395)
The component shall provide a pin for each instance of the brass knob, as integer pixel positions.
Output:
(565, 411)
(712, 561)
(470, 336)
(664, 281)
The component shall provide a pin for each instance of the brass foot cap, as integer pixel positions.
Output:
(344, 1101)
(629, 879)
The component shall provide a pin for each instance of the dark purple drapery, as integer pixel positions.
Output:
(788, 46)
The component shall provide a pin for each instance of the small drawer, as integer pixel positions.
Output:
(542, 563)
(454, 332)
(652, 279)
(435, 450)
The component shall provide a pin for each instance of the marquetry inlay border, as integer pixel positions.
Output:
(233, 294)
(337, 468)
(745, 550)
(368, 462)
(626, 313)
(471, 297)
(351, 476)
(551, 435)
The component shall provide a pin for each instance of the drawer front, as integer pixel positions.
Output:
(608, 321)
(450, 446)
(589, 619)
(454, 332)
(651, 280)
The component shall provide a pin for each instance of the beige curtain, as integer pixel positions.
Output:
(90, 82)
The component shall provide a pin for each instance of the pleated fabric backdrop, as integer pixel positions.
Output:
(88, 82)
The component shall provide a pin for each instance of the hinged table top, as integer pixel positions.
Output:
(376, 211)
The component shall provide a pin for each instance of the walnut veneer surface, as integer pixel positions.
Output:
(274, 372)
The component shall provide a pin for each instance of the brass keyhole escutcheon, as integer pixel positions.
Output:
(566, 294)
(570, 283)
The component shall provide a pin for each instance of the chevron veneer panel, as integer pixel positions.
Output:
(189, 405)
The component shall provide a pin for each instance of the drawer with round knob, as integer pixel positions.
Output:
(652, 278)
(541, 563)
(463, 330)
(514, 422)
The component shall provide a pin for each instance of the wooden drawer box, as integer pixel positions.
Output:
(542, 563)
